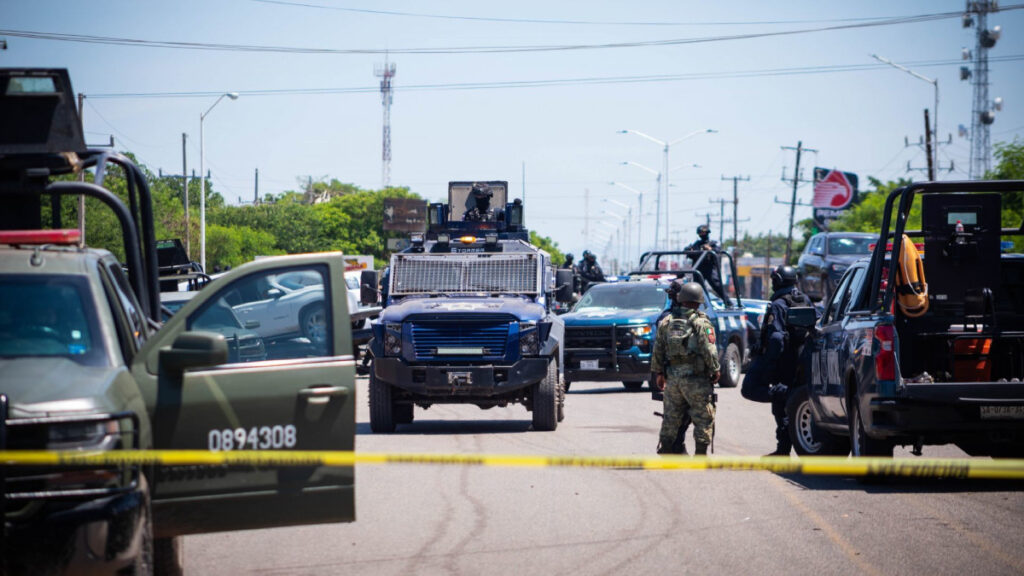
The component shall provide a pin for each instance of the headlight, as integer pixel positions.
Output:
(641, 331)
(393, 340)
(529, 339)
(838, 267)
(77, 435)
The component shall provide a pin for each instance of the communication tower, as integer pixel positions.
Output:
(983, 110)
(386, 73)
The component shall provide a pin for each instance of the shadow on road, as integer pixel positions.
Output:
(454, 427)
(896, 485)
(620, 389)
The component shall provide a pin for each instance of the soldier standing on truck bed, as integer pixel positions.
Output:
(589, 270)
(686, 366)
(708, 266)
(773, 369)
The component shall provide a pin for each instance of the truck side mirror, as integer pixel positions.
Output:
(564, 280)
(801, 317)
(368, 293)
(194, 350)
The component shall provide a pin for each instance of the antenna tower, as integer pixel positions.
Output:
(386, 73)
(983, 109)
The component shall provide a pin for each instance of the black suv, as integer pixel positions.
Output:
(826, 256)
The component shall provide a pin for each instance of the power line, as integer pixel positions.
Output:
(560, 21)
(451, 86)
(137, 42)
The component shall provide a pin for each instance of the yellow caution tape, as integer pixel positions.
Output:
(818, 465)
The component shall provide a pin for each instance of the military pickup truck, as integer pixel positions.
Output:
(467, 317)
(930, 350)
(86, 366)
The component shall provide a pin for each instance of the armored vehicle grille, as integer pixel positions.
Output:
(490, 337)
(454, 274)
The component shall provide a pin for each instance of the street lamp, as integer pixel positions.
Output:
(666, 144)
(933, 168)
(202, 180)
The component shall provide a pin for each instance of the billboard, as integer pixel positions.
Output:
(405, 214)
(834, 192)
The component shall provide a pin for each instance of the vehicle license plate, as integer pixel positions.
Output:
(1002, 412)
(460, 378)
(588, 364)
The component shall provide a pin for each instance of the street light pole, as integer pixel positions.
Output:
(202, 180)
(628, 224)
(639, 216)
(935, 119)
(666, 145)
(657, 191)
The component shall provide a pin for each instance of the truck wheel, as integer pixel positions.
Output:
(561, 403)
(168, 556)
(730, 376)
(403, 413)
(545, 400)
(382, 416)
(633, 385)
(860, 443)
(314, 324)
(566, 385)
(808, 439)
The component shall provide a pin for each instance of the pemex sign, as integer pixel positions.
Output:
(834, 192)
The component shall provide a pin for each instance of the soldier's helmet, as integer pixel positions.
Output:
(481, 190)
(703, 231)
(690, 293)
(588, 255)
(783, 276)
(569, 258)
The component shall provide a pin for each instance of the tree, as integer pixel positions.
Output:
(548, 245)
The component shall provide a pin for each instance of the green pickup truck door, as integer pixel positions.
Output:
(297, 392)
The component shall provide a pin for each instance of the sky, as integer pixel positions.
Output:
(469, 103)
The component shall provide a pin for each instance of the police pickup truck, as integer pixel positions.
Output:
(87, 367)
(609, 335)
(468, 316)
(915, 350)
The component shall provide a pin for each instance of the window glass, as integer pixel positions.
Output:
(832, 313)
(129, 303)
(856, 283)
(49, 316)
(624, 296)
(271, 315)
(849, 246)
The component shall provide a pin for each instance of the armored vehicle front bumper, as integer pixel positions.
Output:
(463, 380)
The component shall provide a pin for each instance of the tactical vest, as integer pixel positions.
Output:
(683, 346)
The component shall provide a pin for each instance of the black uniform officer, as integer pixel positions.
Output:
(478, 204)
(773, 369)
(589, 270)
(708, 266)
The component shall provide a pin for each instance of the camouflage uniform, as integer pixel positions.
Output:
(685, 352)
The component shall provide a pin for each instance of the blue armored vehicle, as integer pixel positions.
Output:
(468, 315)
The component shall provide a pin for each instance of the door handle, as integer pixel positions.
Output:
(322, 393)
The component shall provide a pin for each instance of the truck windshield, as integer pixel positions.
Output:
(48, 316)
(850, 245)
(623, 296)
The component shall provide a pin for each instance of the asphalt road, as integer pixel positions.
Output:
(416, 519)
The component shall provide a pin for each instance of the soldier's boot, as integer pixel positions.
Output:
(701, 449)
(678, 446)
(664, 447)
(783, 445)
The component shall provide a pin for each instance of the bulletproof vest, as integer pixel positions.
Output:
(797, 335)
(684, 356)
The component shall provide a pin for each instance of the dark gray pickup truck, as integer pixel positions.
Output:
(894, 362)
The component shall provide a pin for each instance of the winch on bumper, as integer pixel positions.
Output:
(461, 381)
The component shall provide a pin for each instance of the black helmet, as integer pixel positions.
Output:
(690, 293)
(783, 276)
(481, 190)
(703, 230)
(569, 257)
(673, 290)
(588, 255)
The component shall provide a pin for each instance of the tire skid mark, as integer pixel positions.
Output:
(976, 538)
(477, 508)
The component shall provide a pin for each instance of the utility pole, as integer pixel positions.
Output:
(721, 216)
(586, 219)
(735, 206)
(256, 191)
(928, 147)
(796, 182)
(386, 74)
(184, 195)
(81, 174)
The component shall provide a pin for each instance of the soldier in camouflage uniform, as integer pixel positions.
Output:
(686, 367)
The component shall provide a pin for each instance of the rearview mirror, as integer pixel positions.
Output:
(194, 350)
(564, 280)
(801, 317)
(274, 293)
(368, 293)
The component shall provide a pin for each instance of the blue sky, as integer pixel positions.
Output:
(566, 133)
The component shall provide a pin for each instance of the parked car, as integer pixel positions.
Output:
(285, 306)
(244, 344)
(826, 256)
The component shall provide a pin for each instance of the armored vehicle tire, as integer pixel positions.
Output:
(313, 322)
(731, 365)
(545, 400)
(169, 556)
(808, 439)
(633, 385)
(382, 413)
(403, 413)
(860, 443)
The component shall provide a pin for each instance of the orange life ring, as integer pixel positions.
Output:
(911, 287)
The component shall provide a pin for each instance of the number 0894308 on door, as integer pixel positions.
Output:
(255, 438)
